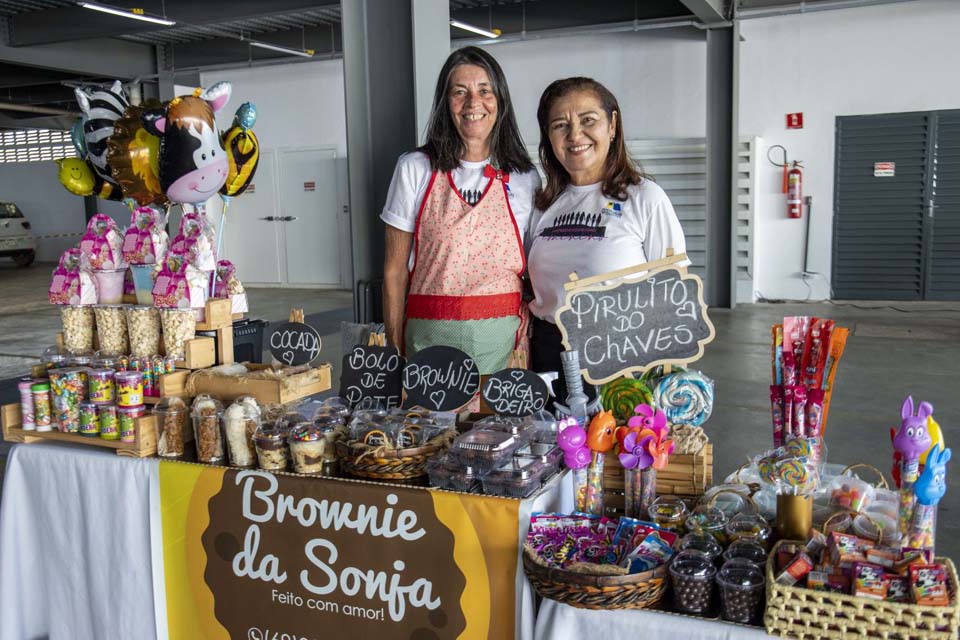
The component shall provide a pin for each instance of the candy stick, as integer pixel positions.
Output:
(909, 472)
(776, 411)
(814, 412)
(594, 500)
(923, 529)
(799, 410)
(788, 430)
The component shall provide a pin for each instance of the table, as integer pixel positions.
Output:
(82, 545)
(556, 621)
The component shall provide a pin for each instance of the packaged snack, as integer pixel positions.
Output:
(485, 449)
(795, 330)
(652, 552)
(145, 240)
(838, 583)
(898, 588)
(206, 413)
(517, 478)
(171, 414)
(850, 492)
(816, 543)
(817, 580)
(869, 581)
(800, 410)
(814, 412)
(910, 558)
(788, 430)
(129, 388)
(143, 327)
(67, 391)
(929, 585)
(312, 449)
(179, 326)
(447, 473)
(845, 550)
(72, 283)
(785, 553)
(100, 386)
(42, 413)
(796, 570)
(24, 386)
(127, 422)
(837, 343)
(776, 353)
(776, 411)
(816, 351)
(89, 421)
(102, 244)
(109, 424)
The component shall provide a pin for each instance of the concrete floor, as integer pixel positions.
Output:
(889, 354)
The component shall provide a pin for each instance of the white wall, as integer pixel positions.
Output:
(659, 78)
(884, 59)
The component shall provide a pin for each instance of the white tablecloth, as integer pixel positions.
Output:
(75, 545)
(557, 621)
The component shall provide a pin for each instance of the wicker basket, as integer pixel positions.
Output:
(796, 612)
(358, 459)
(584, 591)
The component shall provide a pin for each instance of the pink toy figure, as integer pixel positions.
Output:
(929, 488)
(910, 441)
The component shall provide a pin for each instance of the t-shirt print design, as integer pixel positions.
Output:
(471, 196)
(577, 225)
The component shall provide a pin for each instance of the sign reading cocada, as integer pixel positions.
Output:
(294, 343)
(371, 377)
(630, 326)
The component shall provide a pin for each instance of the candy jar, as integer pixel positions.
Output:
(42, 413)
(89, 420)
(127, 421)
(312, 449)
(741, 585)
(129, 388)
(691, 575)
(669, 512)
(704, 543)
(749, 527)
(109, 425)
(746, 550)
(143, 327)
(100, 386)
(171, 415)
(240, 422)
(206, 413)
(708, 520)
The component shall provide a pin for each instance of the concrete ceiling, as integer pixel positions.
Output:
(49, 46)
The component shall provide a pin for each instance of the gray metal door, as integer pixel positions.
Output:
(896, 224)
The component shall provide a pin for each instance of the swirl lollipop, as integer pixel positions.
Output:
(686, 397)
(622, 396)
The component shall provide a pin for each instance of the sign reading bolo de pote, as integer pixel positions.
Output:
(294, 557)
(634, 324)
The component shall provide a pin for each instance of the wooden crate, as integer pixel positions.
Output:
(301, 385)
(218, 313)
(199, 353)
(170, 384)
(685, 475)
(145, 445)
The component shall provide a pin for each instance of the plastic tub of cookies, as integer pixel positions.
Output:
(172, 436)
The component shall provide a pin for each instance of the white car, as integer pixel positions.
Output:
(16, 237)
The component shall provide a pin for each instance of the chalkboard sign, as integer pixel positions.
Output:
(515, 392)
(657, 319)
(371, 377)
(294, 343)
(440, 379)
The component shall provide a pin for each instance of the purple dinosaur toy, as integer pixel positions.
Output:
(912, 439)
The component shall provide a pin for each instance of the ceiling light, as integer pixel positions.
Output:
(303, 53)
(469, 27)
(135, 14)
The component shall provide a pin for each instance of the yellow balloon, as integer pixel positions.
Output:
(243, 154)
(76, 175)
(936, 437)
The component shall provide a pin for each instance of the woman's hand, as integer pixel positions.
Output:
(395, 276)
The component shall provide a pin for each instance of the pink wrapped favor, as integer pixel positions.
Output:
(145, 240)
(102, 244)
(195, 241)
(71, 283)
(228, 284)
(179, 285)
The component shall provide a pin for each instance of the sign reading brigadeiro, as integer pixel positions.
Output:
(656, 318)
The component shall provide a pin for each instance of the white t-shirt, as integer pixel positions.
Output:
(412, 175)
(588, 233)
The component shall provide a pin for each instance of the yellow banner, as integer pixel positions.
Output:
(252, 555)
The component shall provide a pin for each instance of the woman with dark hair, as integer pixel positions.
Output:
(456, 212)
(596, 214)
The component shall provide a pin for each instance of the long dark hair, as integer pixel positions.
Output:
(444, 146)
(619, 172)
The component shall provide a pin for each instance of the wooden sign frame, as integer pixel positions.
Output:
(576, 285)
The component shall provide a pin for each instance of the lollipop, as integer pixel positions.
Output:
(622, 396)
(793, 476)
(686, 397)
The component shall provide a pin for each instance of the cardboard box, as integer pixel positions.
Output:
(280, 391)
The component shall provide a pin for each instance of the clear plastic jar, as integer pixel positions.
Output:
(179, 326)
(143, 327)
(749, 527)
(127, 420)
(129, 388)
(312, 449)
(669, 512)
(708, 520)
(109, 426)
(240, 422)
(100, 386)
(691, 575)
(273, 452)
(78, 323)
(704, 543)
(171, 414)
(112, 330)
(206, 414)
(741, 585)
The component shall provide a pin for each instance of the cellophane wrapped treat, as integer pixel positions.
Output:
(145, 240)
(101, 247)
(195, 240)
(228, 284)
(179, 285)
(72, 283)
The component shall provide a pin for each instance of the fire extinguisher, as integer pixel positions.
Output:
(795, 191)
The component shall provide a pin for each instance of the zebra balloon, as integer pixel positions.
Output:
(101, 108)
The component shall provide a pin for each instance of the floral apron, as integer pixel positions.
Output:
(465, 287)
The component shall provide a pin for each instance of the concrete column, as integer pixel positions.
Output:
(722, 139)
(431, 46)
(381, 118)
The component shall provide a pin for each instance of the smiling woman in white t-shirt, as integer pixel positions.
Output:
(597, 212)
(456, 213)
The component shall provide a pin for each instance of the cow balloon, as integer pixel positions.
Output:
(193, 162)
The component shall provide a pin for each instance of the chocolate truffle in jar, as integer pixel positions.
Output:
(691, 575)
(741, 585)
(240, 422)
(273, 452)
(206, 414)
(171, 415)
